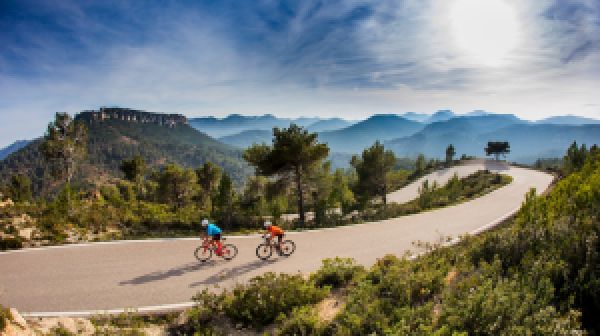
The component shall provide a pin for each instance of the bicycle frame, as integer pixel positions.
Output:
(208, 243)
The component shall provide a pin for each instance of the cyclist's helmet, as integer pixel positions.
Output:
(267, 224)
(205, 222)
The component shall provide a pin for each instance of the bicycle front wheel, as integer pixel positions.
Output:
(203, 254)
(229, 251)
(264, 251)
(287, 248)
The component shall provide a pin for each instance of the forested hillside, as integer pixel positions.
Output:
(112, 141)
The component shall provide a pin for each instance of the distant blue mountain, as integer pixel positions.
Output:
(568, 120)
(441, 115)
(15, 146)
(329, 125)
(246, 139)
(353, 139)
(414, 116)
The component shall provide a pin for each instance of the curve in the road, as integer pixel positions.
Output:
(156, 273)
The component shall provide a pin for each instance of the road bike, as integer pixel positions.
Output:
(205, 251)
(265, 249)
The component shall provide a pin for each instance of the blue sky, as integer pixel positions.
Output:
(315, 58)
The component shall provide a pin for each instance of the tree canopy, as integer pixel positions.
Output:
(293, 152)
(497, 148)
(372, 170)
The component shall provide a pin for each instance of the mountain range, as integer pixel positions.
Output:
(111, 141)
(235, 124)
(407, 136)
(469, 135)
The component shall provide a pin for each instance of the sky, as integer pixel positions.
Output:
(350, 59)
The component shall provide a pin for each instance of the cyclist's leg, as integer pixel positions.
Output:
(217, 240)
(279, 241)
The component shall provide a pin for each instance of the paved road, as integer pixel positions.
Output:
(137, 274)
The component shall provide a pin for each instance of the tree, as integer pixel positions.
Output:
(341, 195)
(254, 200)
(208, 177)
(372, 170)
(497, 149)
(420, 165)
(176, 185)
(450, 152)
(293, 152)
(574, 158)
(224, 200)
(133, 169)
(19, 188)
(321, 186)
(64, 143)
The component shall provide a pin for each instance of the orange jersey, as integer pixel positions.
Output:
(275, 230)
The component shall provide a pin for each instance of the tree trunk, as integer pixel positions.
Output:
(300, 195)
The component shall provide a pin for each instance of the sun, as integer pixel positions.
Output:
(486, 31)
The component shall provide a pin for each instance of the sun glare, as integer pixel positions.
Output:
(486, 31)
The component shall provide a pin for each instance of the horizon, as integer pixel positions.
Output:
(346, 59)
(293, 118)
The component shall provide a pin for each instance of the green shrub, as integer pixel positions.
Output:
(337, 272)
(302, 321)
(5, 317)
(265, 297)
(10, 243)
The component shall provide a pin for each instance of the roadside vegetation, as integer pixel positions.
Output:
(537, 274)
(170, 201)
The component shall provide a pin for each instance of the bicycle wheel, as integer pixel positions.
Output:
(287, 248)
(203, 254)
(229, 251)
(264, 251)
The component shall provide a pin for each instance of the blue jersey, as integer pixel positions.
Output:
(213, 230)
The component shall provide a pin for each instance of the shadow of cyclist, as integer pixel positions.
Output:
(233, 272)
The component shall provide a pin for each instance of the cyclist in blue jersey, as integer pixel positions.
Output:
(215, 233)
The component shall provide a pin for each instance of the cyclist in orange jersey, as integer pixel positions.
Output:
(275, 231)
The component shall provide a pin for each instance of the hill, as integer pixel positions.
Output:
(15, 146)
(111, 141)
(353, 139)
(469, 135)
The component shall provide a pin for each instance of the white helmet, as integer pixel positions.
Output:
(267, 224)
(204, 222)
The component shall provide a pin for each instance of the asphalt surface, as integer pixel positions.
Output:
(137, 274)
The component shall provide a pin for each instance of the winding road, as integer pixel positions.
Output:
(160, 274)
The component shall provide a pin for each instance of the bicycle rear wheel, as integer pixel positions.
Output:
(287, 248)
(203, 254)
(264, 251)
(229, 251)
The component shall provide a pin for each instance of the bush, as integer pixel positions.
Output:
(10, 243)
(337, 272)
(5, 317)
(265, 297)
(302, 321)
